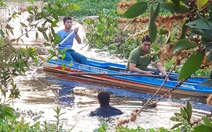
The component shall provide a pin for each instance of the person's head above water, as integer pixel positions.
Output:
(103, 98)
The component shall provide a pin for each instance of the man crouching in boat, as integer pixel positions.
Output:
(68, 43)
(105, 109)
(140, 58)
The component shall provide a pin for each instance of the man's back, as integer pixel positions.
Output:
(106, 111)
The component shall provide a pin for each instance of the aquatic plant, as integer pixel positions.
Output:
(11, 121)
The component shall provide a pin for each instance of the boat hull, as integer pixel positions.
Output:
(91, 73)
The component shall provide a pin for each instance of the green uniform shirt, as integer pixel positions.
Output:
(141, 60)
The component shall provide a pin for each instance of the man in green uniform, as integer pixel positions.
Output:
(140, 58)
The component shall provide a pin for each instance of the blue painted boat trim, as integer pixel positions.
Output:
(98, 66)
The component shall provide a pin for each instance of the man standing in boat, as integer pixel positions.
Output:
(67, 33)
(141, 57)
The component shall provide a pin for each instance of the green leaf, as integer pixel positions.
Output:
(28, 8)
(176, 125)
(50, 57)
(152, 25)
(88, 21)
(2, 33)
(135, 10)
(184, 32)
(191, 65)
(63, 56)
(151, 11)
(200, 24)
(27, 35)
(45, 36)
(47, 44)
(32, 1)
(63, 66)
(207, 33)
(35, 61)
(54, 15)
(174, 119)
(22, 24)
(201, 3)
(52, 52)
(170, 6)
(189, 110)
(42, 58)
(56, 39)
(156, 12)
(152, 31)
(207, 122)
(202, 128)
(209, 58)
(183, 44)
(176, 2)
(77, 7)
(36, 35)
(183, 113)
(210, 11)
(23, 50)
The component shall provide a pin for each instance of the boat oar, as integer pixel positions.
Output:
(56, 47)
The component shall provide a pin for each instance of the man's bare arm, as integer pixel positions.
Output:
(77, 37)
(133, 68)
(161, 68)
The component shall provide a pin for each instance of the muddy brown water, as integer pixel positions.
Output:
(42, 92)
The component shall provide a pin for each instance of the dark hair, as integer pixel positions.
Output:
(66, 18)
(146, 38)
(104, 98)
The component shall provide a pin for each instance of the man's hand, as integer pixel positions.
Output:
(76, 30)
(149, 73)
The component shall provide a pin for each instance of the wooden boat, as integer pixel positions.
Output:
(116, 74)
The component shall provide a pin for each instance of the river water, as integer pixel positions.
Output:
(43, 91)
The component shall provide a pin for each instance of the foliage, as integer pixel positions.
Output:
(87, 7)
(15, 61)
(6, 112)
(198, 21)
(161, 28)
(206, 126)
(184, 117)
(186, 123)
(11, 121)
(104, 127)
(103, 33)
(191, 65)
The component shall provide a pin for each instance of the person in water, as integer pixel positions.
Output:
(68, 44)
(105, 109)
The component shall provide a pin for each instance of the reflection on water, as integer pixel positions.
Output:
(119, 96)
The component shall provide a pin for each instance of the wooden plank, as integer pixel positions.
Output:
(135, 86)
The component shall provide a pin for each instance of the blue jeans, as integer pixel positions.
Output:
(155, 71)
(75, 56)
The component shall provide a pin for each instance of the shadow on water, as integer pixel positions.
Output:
(69, 88)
